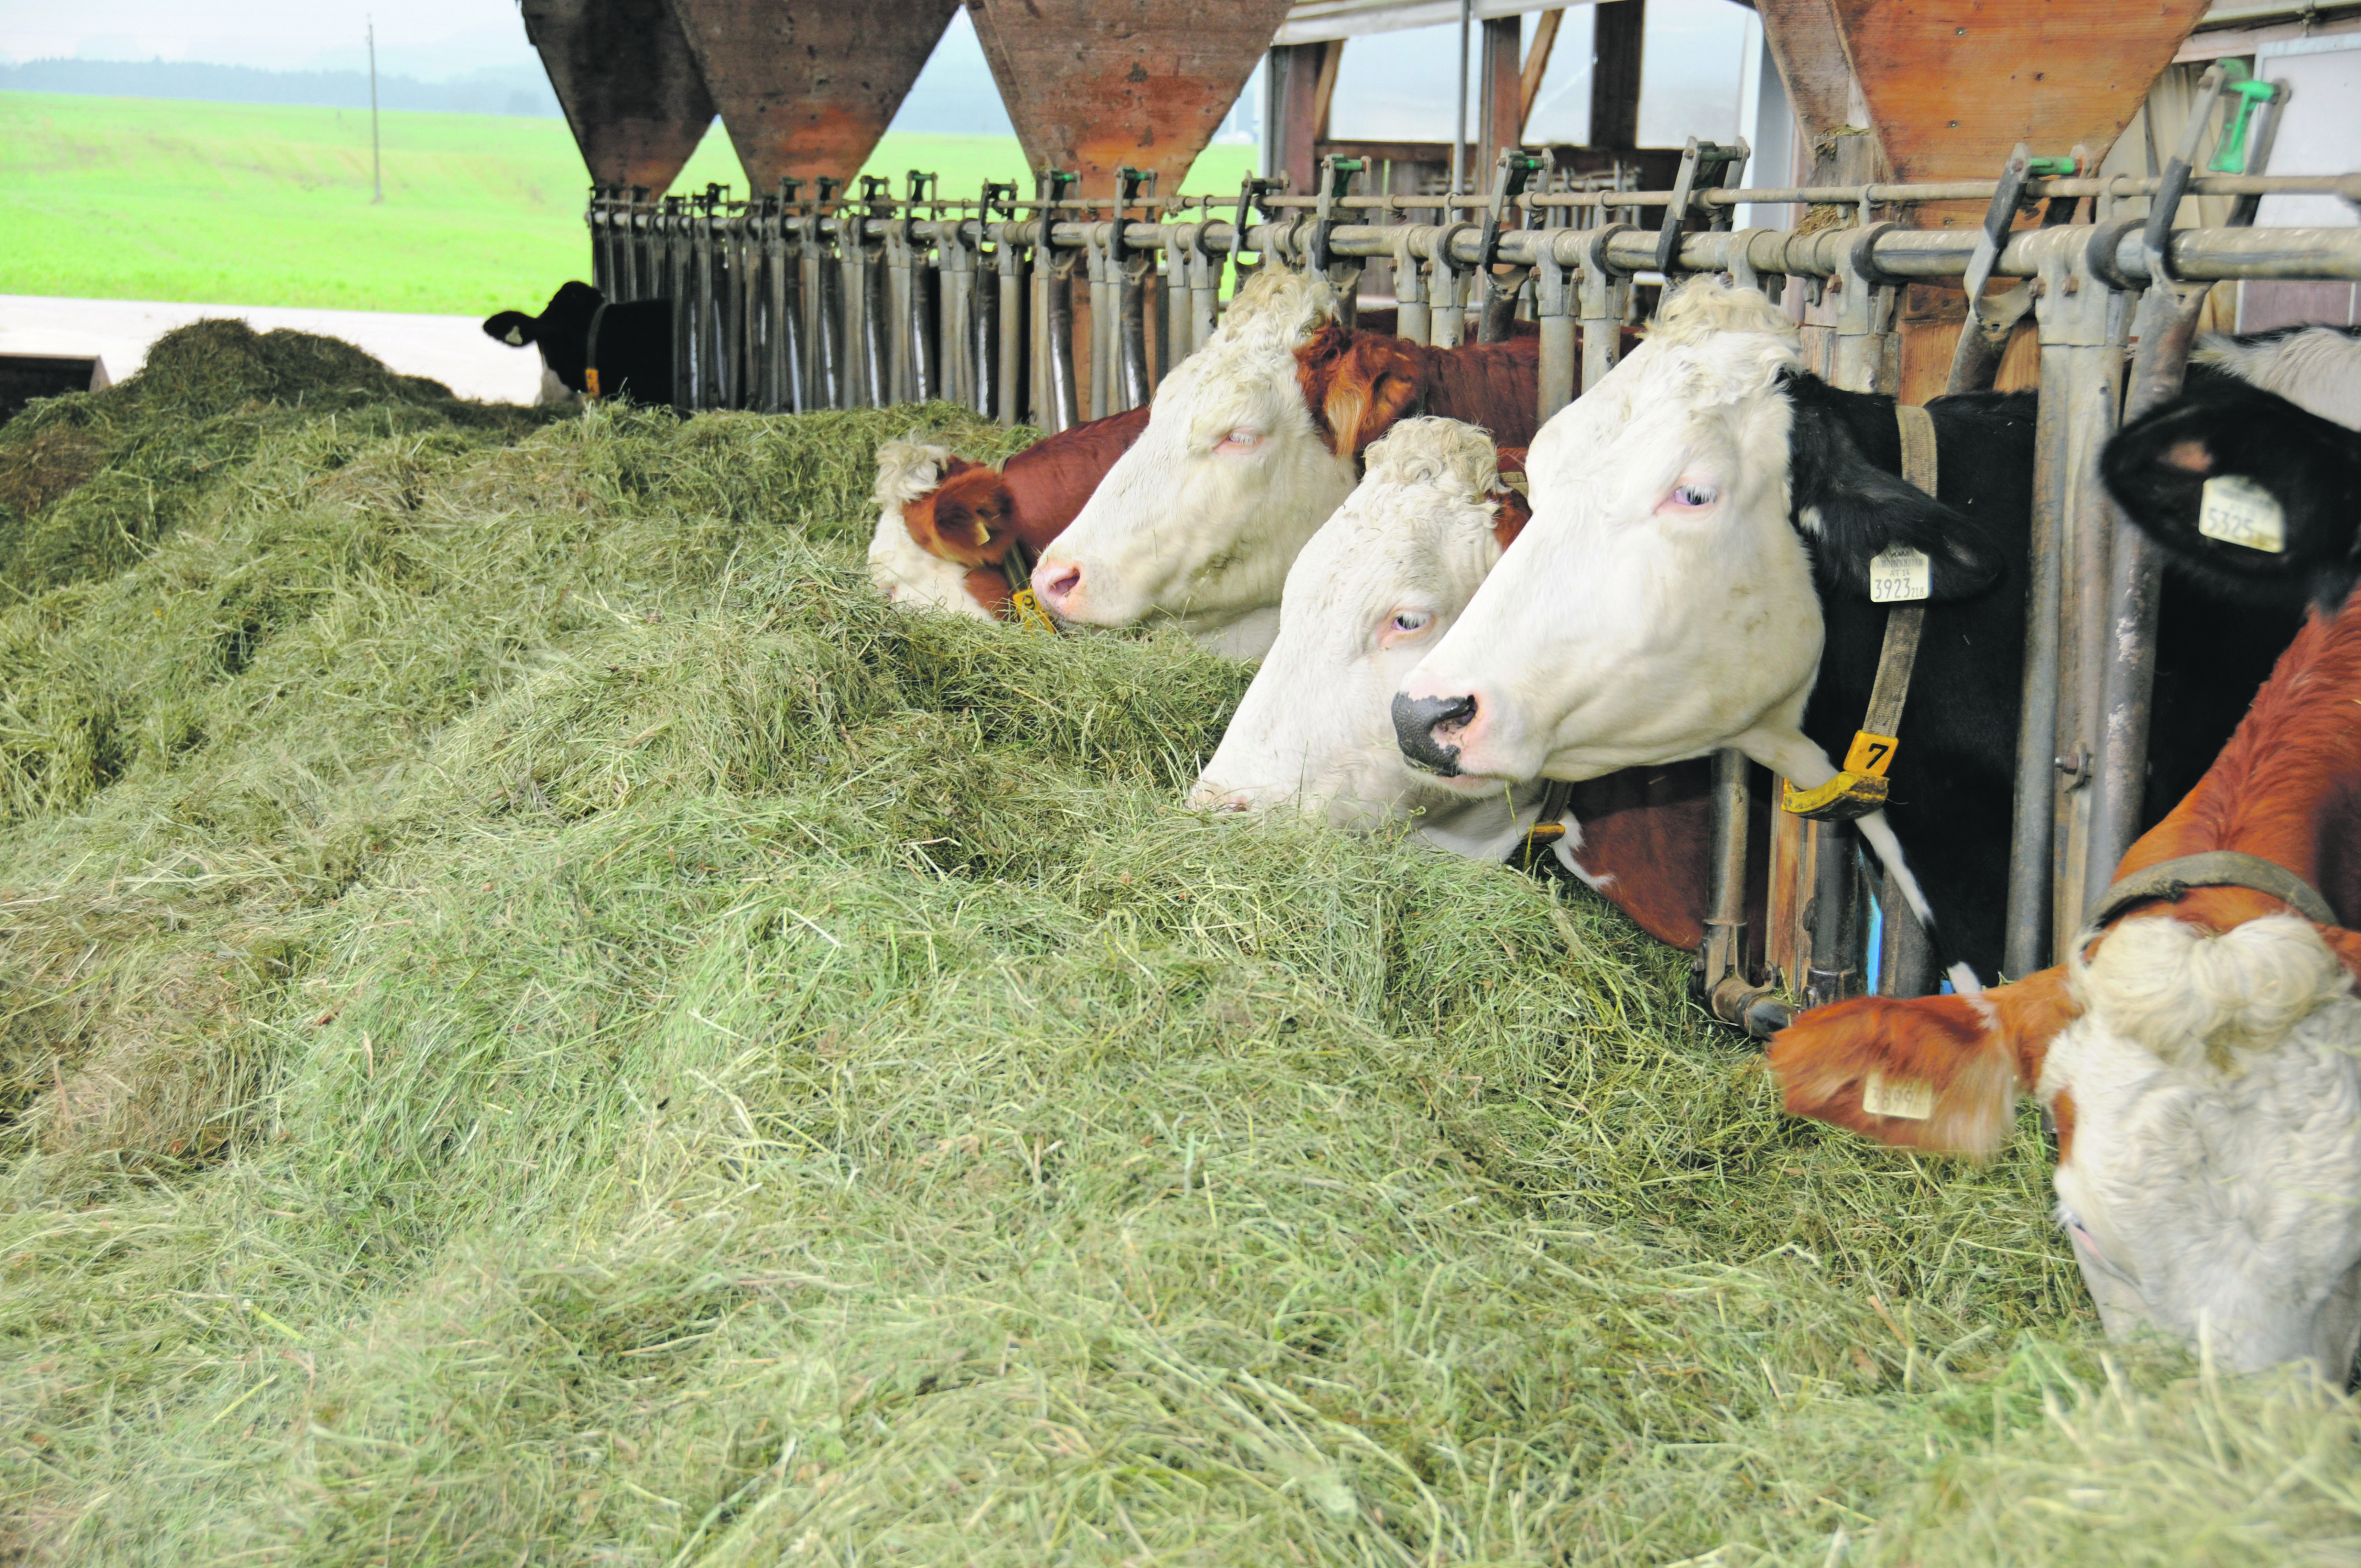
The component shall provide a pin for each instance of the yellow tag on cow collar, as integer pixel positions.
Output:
(590, 379)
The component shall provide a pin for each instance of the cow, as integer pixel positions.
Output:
(1251, 441)
(945, 524)
(1384, 576)
(591, 348)
(2200, 1054)
(1697, 575)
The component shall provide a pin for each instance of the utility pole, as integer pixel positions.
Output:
(377, 159)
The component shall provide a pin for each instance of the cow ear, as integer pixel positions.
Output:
(1930, 1073)
(1512, 508)
(511, 327)
(972, 514)
(1853, 512)
(1372, 386)
(2288, 471)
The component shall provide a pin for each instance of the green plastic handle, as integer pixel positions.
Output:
(2242, 96)
(2044, 168)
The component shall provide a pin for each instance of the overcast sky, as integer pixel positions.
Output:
(429, 39)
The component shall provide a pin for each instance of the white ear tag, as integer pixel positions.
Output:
(516, 337)
(1903, 1099)
(1898, 575)
(2237, 510)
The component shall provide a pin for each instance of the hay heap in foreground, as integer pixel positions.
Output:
(541, 1022)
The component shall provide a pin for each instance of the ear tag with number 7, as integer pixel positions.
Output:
(2237, 510)
(1898, 575)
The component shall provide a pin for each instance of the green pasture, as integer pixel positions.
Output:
(143, 199)
(541, 1022)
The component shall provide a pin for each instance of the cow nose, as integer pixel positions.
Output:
(1416, 719)
(1056, 584)
(1209, 797)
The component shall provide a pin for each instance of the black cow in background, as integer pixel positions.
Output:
(595, 348)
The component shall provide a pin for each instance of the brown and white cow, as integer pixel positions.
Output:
(1251, 442)
(1382, 580)
(2200, 1057)
(944, 524)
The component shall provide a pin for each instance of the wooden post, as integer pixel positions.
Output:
(1502, 122)
(1295, 119)
(1620, 28)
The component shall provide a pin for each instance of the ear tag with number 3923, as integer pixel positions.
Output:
(2237, 510)
(1898, 575)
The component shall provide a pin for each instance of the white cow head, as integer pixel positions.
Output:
(1666, 601)
(1199, 519)
(904, 572)
(2209, 1105)
(1382, 579)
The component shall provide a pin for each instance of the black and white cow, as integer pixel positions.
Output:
(1697, 575)
(592, 348)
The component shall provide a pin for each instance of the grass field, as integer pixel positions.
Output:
(118, 198)
(540, 1022)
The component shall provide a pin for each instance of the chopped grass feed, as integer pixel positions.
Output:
(542, 1022)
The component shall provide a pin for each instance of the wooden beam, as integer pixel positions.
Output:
(1537, 59)
(1323, 93)
(1620, 29)
(1808, 45)
(1502, 121)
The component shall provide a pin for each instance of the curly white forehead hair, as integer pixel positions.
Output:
(1705, 306)
(1446, 453)
(1275, 311)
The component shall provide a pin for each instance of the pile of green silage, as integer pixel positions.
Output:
(541, 1022)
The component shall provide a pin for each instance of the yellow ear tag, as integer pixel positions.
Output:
(590, 379)
(2236, 511)
(1029, 611)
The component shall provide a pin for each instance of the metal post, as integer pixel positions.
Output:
(958, 312)
(2082, 325)
(1446, 318)
(1459, 121)
(1553, 307)
(676, 290)
(1601, 295)
(1010, 380)
(1412, 319)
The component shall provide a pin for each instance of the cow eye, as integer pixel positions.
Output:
(1240, 439)
(1411, 620)
(1692, 495)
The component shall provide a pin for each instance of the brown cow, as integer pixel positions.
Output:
(944, 524)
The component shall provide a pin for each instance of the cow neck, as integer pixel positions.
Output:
(1050, 481)
(2285, 791)
(1493, 385)
(1860, 786)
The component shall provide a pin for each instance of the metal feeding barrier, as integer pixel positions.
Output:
(853, 299)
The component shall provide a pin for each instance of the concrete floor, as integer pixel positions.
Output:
(452, 349)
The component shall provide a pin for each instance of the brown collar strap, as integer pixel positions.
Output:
(1860, 786)
(2170, 881)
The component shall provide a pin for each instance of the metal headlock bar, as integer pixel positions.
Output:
(790, 301)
